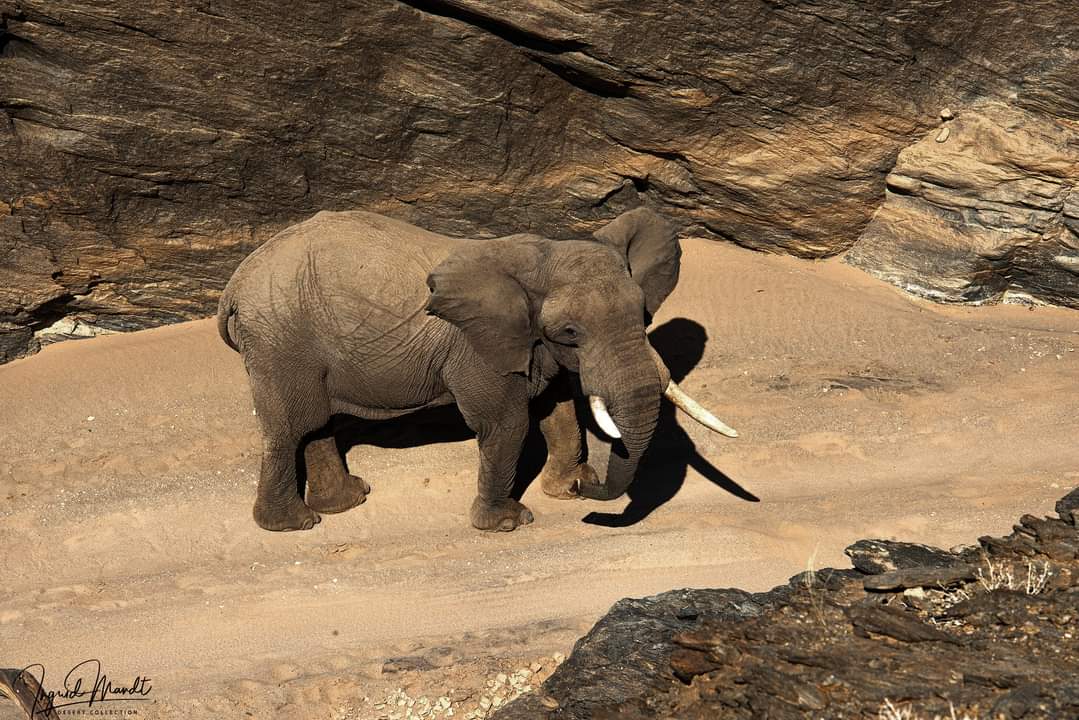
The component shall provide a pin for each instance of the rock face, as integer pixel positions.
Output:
(148, 146)
(988, 631)
(984, 207)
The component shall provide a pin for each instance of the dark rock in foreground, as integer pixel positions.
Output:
(989, 632)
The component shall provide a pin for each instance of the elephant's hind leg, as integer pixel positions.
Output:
(286, 414)
(330, 489)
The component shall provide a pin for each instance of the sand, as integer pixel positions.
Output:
(128, 465)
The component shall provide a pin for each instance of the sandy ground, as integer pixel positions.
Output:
(128, 464)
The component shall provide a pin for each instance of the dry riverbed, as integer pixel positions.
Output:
(128, 464)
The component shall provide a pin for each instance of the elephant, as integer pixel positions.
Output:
(361, 314)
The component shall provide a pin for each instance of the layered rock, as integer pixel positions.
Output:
(914, 631)
(984, 208)
(148, 146)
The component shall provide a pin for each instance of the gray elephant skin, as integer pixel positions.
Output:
(360, 314)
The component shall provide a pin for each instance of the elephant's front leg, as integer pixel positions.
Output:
(564, 471)
(500, 424)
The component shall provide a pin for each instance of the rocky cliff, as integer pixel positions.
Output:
(148, 146)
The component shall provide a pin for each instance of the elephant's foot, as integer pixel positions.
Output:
(341, 494)
(293, 516)
(503, 515)
(567, 485)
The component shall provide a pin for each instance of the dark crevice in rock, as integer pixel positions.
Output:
(141, 31)
(513, 34)
(8, 41)
(545, 51)
(594, 84)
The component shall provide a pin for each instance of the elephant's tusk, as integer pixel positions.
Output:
(696, 411)
(603, 418)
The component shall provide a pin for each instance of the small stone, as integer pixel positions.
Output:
(943, 134)
(946, 114)
(485, 702)
(687, 613)
(558, 658)
(548, 702)
(919, 577)
(897, 182)
(535, 667)
(501, 678)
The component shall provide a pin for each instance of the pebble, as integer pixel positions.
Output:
(943, 135)
(946, 114)
(548, 702)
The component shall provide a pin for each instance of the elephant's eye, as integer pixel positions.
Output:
(566, 335)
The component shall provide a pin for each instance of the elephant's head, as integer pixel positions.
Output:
(587, 303)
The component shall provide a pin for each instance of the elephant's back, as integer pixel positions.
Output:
(378, 265)
(342, 279)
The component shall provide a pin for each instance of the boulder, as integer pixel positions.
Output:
(984, 209)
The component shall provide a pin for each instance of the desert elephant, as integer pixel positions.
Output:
(357, 313)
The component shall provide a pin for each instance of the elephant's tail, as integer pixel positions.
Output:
(226, 314)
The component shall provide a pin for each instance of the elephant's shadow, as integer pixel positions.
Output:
(680, 342)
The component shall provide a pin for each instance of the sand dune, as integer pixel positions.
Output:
(128, 463)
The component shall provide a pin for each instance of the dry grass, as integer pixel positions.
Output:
(816, 601)
(998, 576)
(890, 711)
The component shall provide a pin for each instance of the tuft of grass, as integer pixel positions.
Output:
(810, 580)
(890, 711)
(1038, 579)
(997, 576)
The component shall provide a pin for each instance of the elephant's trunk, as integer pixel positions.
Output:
(632, 395)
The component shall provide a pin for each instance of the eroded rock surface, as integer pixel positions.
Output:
(984, 631)
(985, 206)
(148, 146)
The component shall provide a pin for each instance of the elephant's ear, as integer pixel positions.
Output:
(475, 289)
(651, 250)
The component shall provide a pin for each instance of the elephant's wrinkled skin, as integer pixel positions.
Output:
(352, 312)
